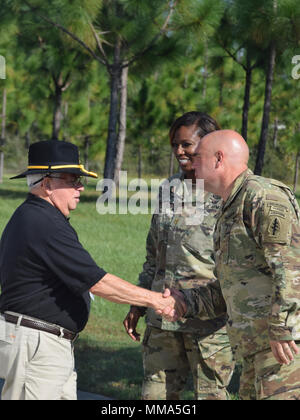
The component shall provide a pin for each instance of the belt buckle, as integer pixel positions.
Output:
(61, 333)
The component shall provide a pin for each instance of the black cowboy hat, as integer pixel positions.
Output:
(54, 156)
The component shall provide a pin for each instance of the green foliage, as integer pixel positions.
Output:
(190, 68)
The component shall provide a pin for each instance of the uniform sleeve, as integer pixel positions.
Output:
(147, 275)
(205, 302)
(274, 224)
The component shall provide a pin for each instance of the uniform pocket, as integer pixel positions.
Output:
(214, 344)
(7, 337)
(146, 336)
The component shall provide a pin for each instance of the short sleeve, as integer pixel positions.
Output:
(69, 261)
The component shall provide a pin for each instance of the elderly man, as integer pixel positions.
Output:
(46, 276)
(257, 251)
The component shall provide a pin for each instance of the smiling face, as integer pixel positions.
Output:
(184, 144)
(64, 191)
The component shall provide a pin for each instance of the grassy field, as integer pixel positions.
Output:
(108, 362)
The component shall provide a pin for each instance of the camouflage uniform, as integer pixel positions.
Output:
(181, 256)
(257, 249)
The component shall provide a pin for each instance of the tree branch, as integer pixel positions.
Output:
(99, 43)
(67, 82)
(63, 29)
(232, 55)
(156, 37)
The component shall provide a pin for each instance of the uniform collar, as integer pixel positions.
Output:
(237, 186)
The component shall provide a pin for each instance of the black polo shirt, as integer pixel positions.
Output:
(44, 270)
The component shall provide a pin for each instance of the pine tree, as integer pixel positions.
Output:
(51, 57)
(116, 33)
(124, 32)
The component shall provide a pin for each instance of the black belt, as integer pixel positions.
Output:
(37, 324)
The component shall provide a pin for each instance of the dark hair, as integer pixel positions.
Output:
(204, 122)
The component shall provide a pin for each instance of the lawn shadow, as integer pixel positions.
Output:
(116, 373)
(13, 194)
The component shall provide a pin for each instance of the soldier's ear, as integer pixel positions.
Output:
(219, 158)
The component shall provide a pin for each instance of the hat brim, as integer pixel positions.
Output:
(76, 171)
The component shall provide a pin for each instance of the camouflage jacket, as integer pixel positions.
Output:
(180, 254)
(257, 251)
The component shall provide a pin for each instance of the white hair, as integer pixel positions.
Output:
(32, 180)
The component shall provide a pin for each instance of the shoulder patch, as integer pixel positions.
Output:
(277, 209)
(274, 227)
(276, 223)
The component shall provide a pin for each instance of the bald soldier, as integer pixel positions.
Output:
(257, 251)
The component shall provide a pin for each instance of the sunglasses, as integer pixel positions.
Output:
(75, 183)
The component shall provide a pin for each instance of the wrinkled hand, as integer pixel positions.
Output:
(130, 323)
(284, 351)
(173, 312)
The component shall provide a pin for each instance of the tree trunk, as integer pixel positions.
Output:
(139, 161)
(60, 86)
(65, 119)
(111, 144)
(246, 106)
(57, 114)
(122, 124)
(27, 139)
(2, 139)
(266, 114)
(275, 134)
(86, 152)
(296, 171)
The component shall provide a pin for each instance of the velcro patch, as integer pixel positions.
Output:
(277, 223)
(279, 211)
(274, 227)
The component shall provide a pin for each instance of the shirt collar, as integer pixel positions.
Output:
(45, 204)
(237, 186)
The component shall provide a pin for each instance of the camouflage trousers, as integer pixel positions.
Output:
(169, 357)
(263, 378)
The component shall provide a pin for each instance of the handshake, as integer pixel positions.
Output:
(170, 305)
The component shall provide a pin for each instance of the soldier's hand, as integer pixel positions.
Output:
(130, 323)
(173, 313)
(284, 351)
